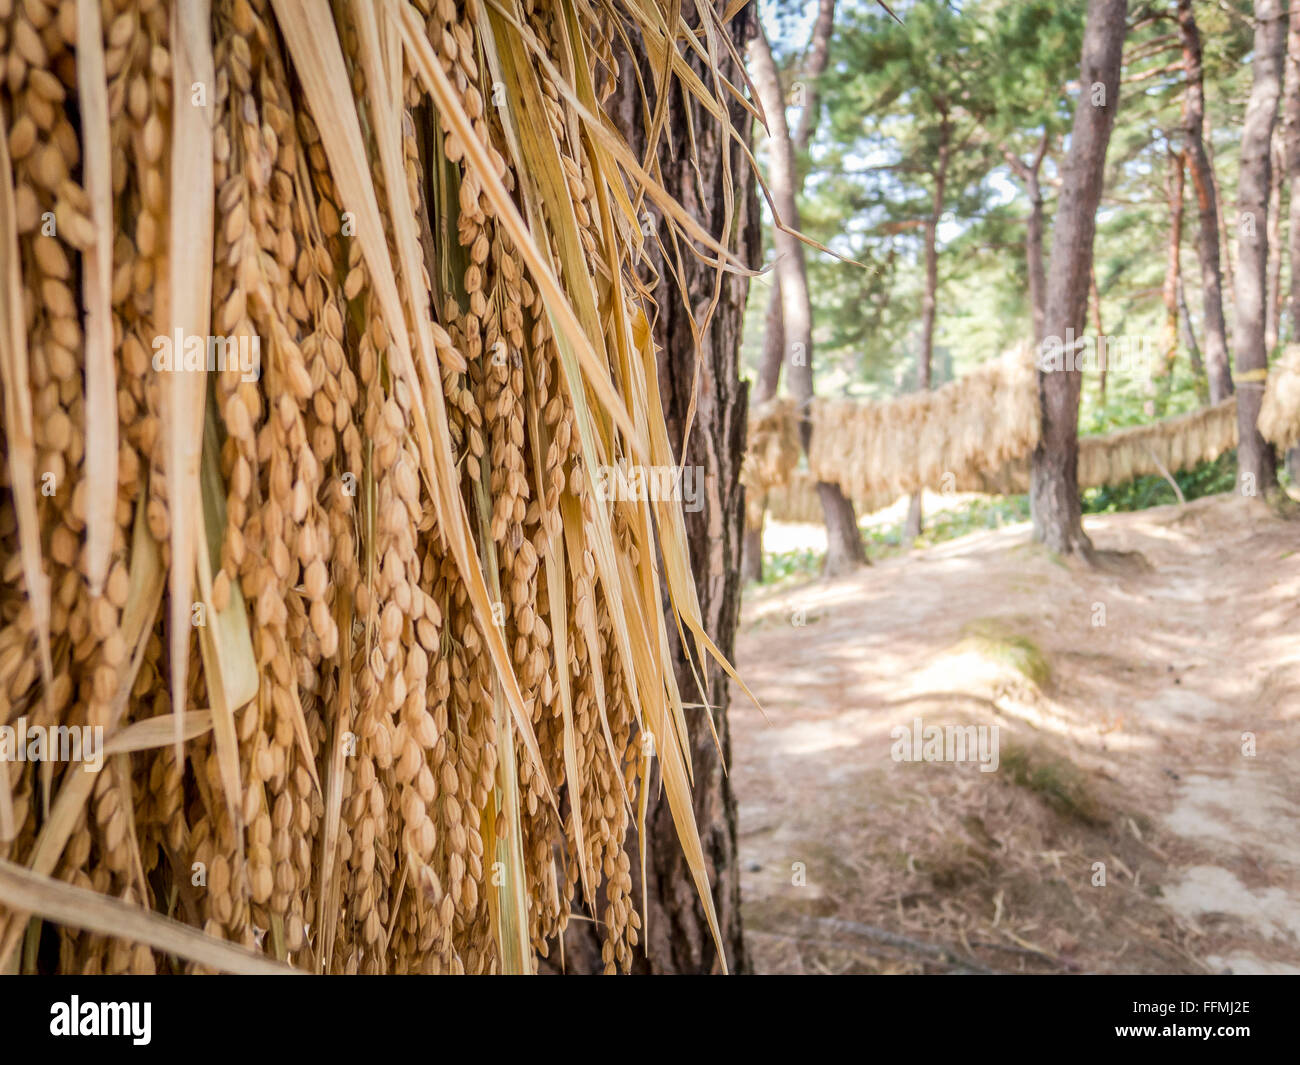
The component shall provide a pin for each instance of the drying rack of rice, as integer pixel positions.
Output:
(1161, 448)
(374, 667)
(877, 452)
(771, 453)
(1164, 447)
(961, 428)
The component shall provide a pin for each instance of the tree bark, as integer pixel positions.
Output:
(1291, 160)
(677, 939)
(1054, 476)
(1256, 463)
(1094, 302)
(1030, 175)
(769, 374)
(819, 53)
(844, 548)
(1273, 276)
(1193, 348)
(1217, 366)
(1174, 194)
(765, 385)
(929, 300)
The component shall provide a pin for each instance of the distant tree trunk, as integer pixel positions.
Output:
(1054, 475)
(844, 549)
(1094, 301)
(1029, 174)
(1291, 161)
(1217, 366)
(678, 938)
(1256, 463)
(929, 299)
(1173, 279)
(1193, 348)
(1272, 290)
(1034, 245)
(1228, 246)
(819, 51)
(769, 375)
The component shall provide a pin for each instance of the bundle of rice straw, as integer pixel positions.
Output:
(375, 665)
(931, 440)
(771, 454)
(900, 446)
(1171, 445)
(1279, 415)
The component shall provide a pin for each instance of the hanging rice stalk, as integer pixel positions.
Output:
(367, 664)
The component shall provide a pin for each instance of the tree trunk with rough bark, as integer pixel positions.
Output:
(1193, 348)
(1273, 276)
(1030, 174)
(769, 375)
(1173, 279)
(1256, 462)
(765, 386)
(1094, 304)
(677, 939)
(929, 301)
(1054, 475)
(1291, 161)
(1217, 366)
(844, 548)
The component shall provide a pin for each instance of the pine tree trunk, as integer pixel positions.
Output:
(844, 548)
(1034, 257)
(1256, 463)
(1217, 366)
(1174, 193)
(1291, 161)
(1193, 348)
(677, 939)
(929, 302)
(1030, 175)
(1273, 277)
(765, 386)
(1094, 303)
(769, 375)
(1054, 477)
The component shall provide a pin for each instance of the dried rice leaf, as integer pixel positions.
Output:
(25, 891)
(97, 281)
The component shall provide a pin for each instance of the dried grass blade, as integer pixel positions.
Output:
(97, 281)
(190, 296)
(27, 891)
(154, 732)
(327, 892)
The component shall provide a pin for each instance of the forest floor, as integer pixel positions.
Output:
(1148, 716)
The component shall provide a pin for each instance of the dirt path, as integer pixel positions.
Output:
(1157, 748)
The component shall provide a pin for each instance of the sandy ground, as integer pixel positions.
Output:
(1144, 815)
